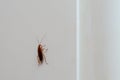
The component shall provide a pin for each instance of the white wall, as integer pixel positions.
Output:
(22, 23)
(100, 40)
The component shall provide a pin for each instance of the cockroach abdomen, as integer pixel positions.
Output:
(40, 55)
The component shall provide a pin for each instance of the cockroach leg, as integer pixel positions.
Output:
(43, 45)
(45, 59)
(44, 50)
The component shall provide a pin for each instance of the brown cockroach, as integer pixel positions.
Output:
(41, 56)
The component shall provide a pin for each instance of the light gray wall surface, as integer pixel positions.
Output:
(22, 23)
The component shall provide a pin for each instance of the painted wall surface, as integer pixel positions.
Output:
(22, 24)
(100, 39)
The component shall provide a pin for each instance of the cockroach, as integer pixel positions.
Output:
(41, 57)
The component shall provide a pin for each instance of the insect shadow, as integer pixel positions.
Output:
(41, 50)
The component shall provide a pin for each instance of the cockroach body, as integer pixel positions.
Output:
(41, 57)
